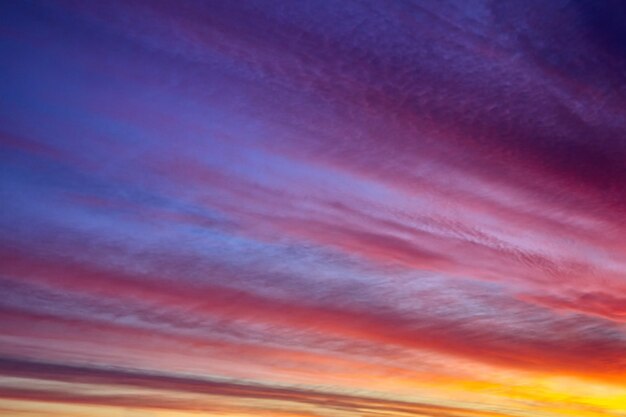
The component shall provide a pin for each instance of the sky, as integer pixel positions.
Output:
(313, 208)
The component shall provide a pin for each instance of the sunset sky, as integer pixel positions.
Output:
(313, 208)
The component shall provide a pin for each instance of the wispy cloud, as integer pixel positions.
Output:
(418, 199)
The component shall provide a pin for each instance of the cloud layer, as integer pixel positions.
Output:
(313, 209)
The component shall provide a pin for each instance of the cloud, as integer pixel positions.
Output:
(342, 186)
(174, 383)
